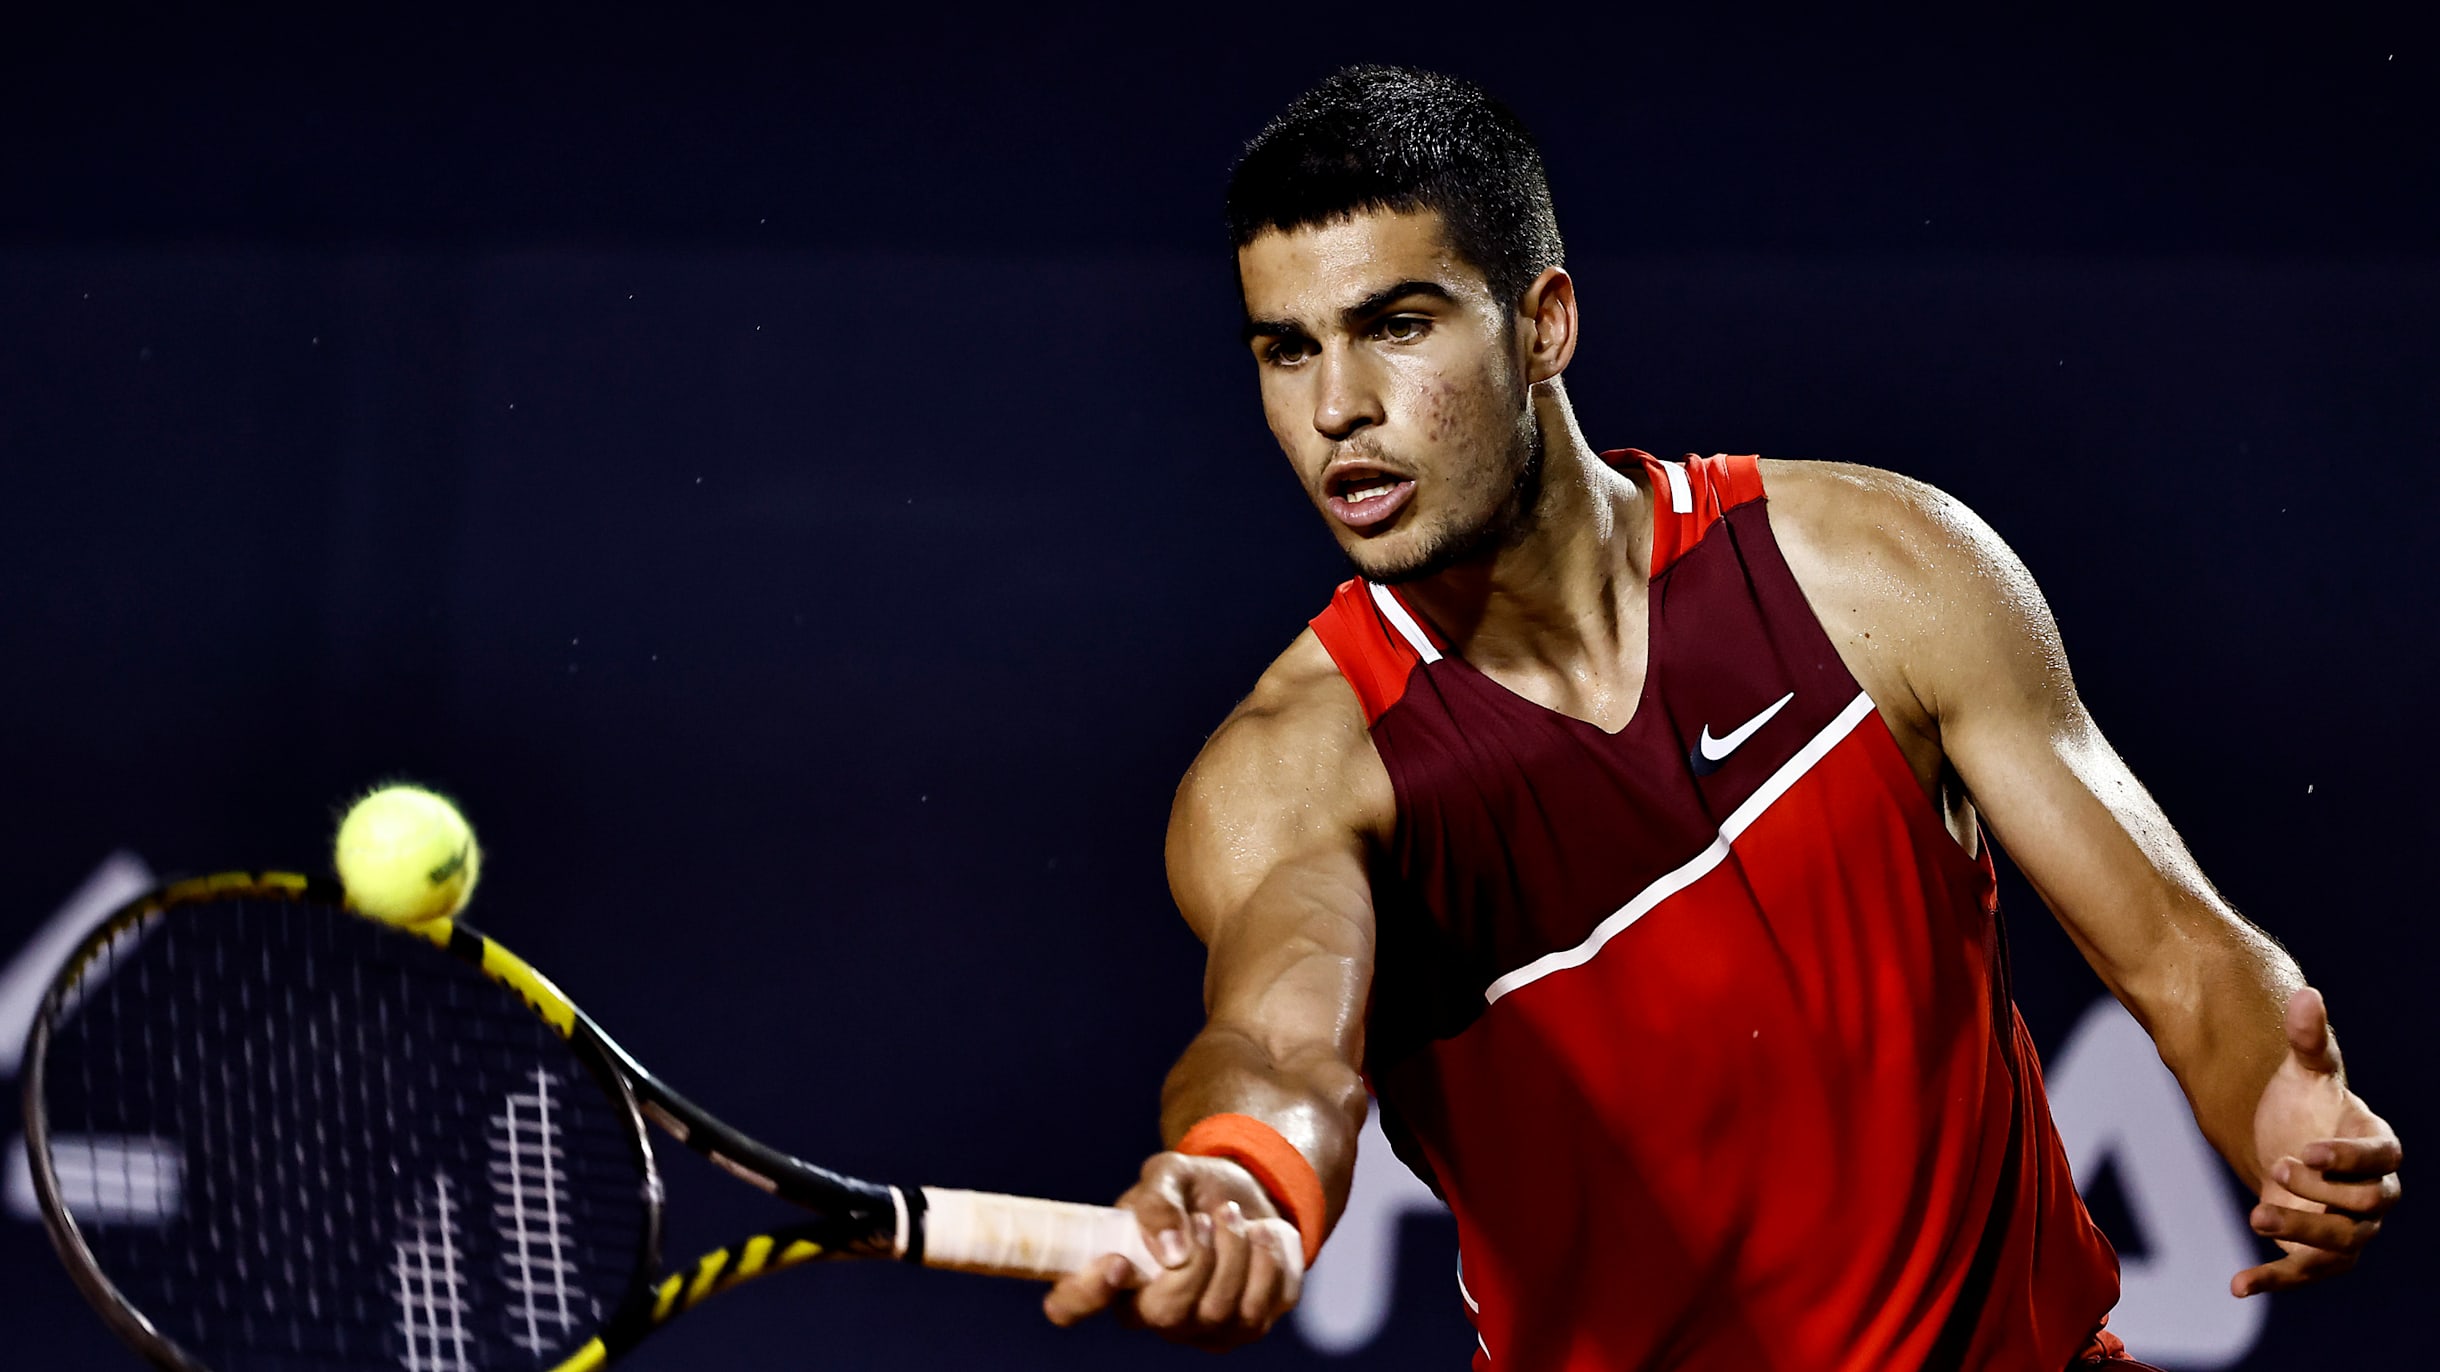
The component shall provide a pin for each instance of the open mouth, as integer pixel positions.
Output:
(1360, 497)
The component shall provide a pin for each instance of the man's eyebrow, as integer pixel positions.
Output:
(1271, 328)
(1387, 296)
(1363, 309)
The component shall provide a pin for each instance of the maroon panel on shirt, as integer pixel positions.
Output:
(1520, 828)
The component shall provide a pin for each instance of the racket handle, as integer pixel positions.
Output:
(1018, 1236)
(1043, 1241)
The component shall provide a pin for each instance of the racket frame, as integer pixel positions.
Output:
(850, 1217)
(67, 1238)
(601, 1059)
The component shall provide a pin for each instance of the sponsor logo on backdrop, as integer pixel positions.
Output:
(2118, 1109)
(129, 1179)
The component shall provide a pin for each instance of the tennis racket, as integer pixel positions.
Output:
(267, 1133)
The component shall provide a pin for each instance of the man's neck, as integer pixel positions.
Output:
(1571, 591)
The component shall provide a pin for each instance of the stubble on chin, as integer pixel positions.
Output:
(1457, 540)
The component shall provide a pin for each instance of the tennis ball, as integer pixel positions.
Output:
(406, 856)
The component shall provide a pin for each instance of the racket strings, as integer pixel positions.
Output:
(526, 1168)
(296, 1140)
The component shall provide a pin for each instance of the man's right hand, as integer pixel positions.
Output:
(1230, 1265)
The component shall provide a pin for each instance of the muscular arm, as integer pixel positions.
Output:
(1970, 664)
(1267, 861)
(1268, 847)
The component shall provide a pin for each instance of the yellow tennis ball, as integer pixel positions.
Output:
(406, 856)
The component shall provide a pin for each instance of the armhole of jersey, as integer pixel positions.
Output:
(1374, 654)
(1689, 497)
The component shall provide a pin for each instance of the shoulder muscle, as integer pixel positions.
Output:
(1288, 787)
(1924, 599)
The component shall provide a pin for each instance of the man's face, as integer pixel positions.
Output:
(1394, 382)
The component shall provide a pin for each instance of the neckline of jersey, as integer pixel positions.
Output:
(1645, 694)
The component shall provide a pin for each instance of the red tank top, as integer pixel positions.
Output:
(1703, 1028)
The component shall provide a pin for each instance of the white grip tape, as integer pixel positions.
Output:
(1044, 1240)
(1018, 1236)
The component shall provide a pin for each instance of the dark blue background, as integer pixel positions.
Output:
(796, 482)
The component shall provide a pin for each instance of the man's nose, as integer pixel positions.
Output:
(1346, 396)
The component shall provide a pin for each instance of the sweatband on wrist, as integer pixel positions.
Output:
(1277, 1167)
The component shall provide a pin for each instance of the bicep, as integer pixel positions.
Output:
(1291, 967)
(2089, 838)
(1268, 862)
(2056, 794)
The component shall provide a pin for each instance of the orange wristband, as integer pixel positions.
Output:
(1281, 1170)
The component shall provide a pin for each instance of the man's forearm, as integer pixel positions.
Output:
(2214, 1011)
(1313, 1099)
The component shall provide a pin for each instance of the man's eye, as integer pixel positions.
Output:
(1286, 352)
(1403, 328)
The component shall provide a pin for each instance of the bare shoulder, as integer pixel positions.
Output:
(1298, 739)
(1290, 776)
(1853, 520)
(1909, 581)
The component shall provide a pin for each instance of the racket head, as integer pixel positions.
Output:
(266, 1132)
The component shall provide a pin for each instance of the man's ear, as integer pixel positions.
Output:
(1546, 317)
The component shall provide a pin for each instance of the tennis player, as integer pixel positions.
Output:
(1623, 825)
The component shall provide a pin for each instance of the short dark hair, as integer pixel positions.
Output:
(1375, 138)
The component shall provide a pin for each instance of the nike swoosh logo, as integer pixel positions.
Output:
(1710, 752)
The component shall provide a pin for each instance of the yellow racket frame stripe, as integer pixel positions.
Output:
(680, 1292)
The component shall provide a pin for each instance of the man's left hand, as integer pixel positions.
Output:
(2329, 1165)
